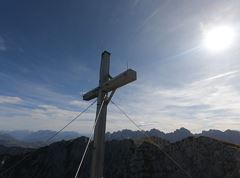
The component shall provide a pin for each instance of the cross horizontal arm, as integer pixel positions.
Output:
(120, 80)
(91, 94)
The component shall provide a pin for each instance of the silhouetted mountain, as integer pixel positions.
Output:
(228, 135)
(179, 134)
(156, 133)
(26, 138)
(42, 135)
(18, 134)
(9, 141)
(7, 137)
(123, 134)
(199, 157)
(37, 139)
(13, 150)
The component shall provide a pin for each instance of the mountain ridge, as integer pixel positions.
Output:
(228, 135)
(38, 138)
(199, 157)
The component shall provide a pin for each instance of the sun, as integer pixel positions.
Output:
(219, 38)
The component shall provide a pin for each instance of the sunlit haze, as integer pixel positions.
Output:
(219, 38)
(186, 54)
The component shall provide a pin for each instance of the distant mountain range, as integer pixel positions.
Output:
(231, 136)
(30, 139)
(199, 157)
(24, 138)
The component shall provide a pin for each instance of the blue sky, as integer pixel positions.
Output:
(50, 54)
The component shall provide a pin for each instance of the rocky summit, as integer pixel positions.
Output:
(196, 157)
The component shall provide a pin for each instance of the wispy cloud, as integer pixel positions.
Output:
(51, 112)
(208, 103)
(10, 100)
(43, 108)
(45, 117)
(148, 18)
(79, 103)
(231, 73)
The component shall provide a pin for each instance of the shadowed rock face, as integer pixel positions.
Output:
(201, 157)
(61, 160)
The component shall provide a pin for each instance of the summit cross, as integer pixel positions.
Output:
(106, 84)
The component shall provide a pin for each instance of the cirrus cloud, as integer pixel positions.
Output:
(10, 99)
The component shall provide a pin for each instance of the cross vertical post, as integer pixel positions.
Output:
(99, 132)
(106, 84)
